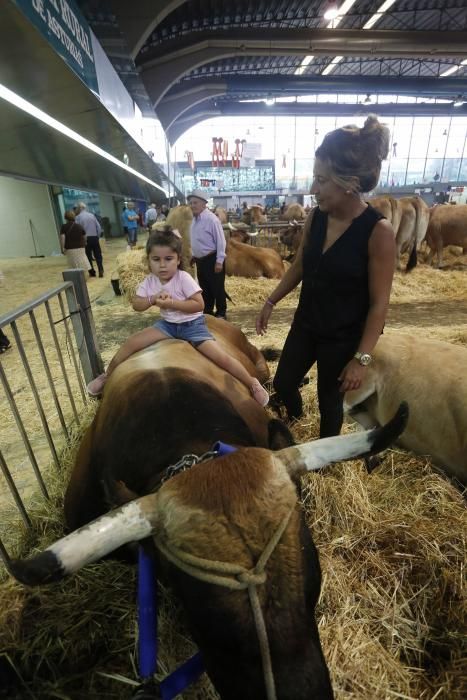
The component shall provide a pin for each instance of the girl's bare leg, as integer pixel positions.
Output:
(135, 342)
(214, 352)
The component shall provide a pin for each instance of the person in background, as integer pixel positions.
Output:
(165, 210)
(150, 217)
(73, 243)
(123, 222)
(208, 249)
(160, 215)
(131, 222)
(345, 264)
(4, 342)
(93, 231)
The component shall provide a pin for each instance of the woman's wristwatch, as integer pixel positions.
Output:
(364, 358)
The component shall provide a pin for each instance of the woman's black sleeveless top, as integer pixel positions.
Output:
(334, 298)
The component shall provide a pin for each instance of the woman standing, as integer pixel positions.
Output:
(73, 242)
(346, 265)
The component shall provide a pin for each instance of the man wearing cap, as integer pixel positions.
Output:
(208, 248)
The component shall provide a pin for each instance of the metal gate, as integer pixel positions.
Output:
(42, 393)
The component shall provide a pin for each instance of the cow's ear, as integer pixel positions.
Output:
(279, 436)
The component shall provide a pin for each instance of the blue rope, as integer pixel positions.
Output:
(189, 671)
(147, 615)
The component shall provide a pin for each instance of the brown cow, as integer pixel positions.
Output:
(254, 215)
(447, 226)
(180, 218)
(242, 421)
(244, 260)
(292, 237)
(231, 535)
(221, 214)
(408, 217)
(294, 212)
(212, 524)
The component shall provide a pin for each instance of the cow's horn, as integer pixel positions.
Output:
(314, 455)
(132, 522)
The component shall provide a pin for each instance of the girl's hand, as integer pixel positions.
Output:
(352, 375)
(164, 301)
(263, 318)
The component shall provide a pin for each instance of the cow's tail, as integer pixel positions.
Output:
(133, 522)
(412, 261)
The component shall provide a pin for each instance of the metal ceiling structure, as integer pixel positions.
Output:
(195, 59)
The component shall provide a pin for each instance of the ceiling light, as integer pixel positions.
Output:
(331, 12)
(305, 62)
(458, 102)
(378, 14)
(449, 71)
(329, 68)
(269, 101)
(45, 118)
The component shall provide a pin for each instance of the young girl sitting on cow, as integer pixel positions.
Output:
(179, 299)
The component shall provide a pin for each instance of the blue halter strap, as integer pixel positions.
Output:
(190, 670)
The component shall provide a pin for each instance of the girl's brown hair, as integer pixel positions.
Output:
(354, 155)
(165, 236)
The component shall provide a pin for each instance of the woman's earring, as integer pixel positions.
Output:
(348, 191)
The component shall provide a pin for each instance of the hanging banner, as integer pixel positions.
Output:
(63, 25)
(251, 151)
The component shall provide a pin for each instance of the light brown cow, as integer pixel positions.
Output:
(221, 214)
(294, 212)
(292, 237)
(432, 376)
(447, 226)
(409, 219)
(180, 218)
(244, 260)
(254, 215)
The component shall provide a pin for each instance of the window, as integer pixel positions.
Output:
(451, 169)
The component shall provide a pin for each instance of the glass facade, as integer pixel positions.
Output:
(422, 150)
(259, 178)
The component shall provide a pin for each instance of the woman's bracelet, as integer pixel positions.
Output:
(271, 303)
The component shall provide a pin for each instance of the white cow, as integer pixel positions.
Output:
(431, 376)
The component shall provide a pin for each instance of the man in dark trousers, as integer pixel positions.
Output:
(93, 231)
(208, 248)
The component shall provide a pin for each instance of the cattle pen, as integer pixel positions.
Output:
(391, 544)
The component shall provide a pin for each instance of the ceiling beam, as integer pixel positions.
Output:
(175, 104)
(188, 94)
(137, 20)
(170, 60)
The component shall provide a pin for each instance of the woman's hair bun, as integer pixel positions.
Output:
(378, 133)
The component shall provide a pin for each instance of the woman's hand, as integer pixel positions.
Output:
(263, 318)
(352, 375)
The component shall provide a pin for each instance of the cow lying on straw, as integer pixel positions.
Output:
(230, 532)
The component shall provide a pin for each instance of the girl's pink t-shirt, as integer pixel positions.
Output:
(181, 287)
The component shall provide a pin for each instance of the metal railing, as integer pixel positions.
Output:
(42, 379)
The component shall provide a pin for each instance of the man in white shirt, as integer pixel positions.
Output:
(93, 231)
